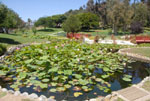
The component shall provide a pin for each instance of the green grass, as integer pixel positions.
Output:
(19, 38)
(2, 94)
(140, 51)
(146, 86)
(119, 99)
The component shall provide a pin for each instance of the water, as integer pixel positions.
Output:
(138, 71)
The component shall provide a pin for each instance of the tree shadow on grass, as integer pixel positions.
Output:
(9, 41)
(46, 30)
(88, 31)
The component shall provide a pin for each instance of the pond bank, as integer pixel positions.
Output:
(134, 55)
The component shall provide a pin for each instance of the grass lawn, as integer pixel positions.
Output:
(140, 51)
(119, 99)
(19, 38)
(2, 94)
(28, 37)
(146, 86)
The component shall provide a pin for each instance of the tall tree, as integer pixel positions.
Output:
(101, 10)
(72, 24)
(119, 14)
(29, 22)
(88, 20)
(90, 6)
(9, 19)
(141, 13)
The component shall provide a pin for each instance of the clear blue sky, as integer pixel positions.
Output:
(38, 8)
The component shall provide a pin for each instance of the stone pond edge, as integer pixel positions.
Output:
(134, 56)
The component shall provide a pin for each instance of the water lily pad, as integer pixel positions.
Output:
(45, 80)
(53, 90)
(76, 94)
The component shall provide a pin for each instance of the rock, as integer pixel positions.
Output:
(92, 100)
(49, 99)
(42, 98)
(4, 90)
(33, 96)
(17, 93)
(25, 94)
(108, 97)
(11, 91)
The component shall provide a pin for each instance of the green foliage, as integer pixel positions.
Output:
(72, 24)
(58, 20)
(9, 19)
(88, 20)
(51, 21)
(119, 14)
(2, 94)
(64, 64)
(2, 49)
(22, 30)
(34, 30)
(141, 13)
(43, 21)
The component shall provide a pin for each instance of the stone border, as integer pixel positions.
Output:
(32, 96)
(134, 56)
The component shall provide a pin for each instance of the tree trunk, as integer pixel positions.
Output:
(124, 28)
(115, 29)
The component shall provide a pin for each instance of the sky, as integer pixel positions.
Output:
(35, 9)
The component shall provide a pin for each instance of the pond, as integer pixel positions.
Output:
(138, 71)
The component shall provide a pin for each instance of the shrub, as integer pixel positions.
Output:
(137, 27)
(34, 30)
(2, 49)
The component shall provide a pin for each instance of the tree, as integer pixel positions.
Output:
(128, 13)
(88, 20)
(141, 13)
(72, 24)
(34, 30)
(101, 10)
(148, 9)
(136, 27)
(3, 14)
(90, 6)
(51, 21)
(42, 22)
(119, 14)
(29, 23)
(58, 20)
(9, 19)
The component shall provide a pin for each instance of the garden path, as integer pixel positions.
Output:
(134, 93)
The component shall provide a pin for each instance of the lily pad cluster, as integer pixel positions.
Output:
(64, 64)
